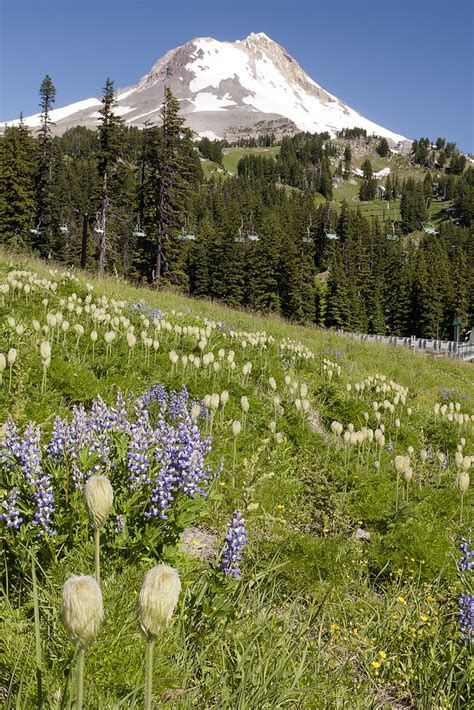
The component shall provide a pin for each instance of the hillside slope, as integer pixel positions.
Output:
(348, 593)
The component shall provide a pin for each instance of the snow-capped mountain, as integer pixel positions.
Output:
(227, 90)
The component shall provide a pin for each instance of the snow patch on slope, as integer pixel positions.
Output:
(57, 114)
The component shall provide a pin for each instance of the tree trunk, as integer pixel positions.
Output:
(85, 230)
(103, 219)
(157, 270)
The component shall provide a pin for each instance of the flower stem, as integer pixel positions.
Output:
(149, 674)
(80, 680)
(97, 554)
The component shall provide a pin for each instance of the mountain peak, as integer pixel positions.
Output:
(228, 90)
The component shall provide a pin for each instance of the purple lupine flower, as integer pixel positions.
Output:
(119, 523)
(467, 560)
(178, 403)
(138, 452)
(390, 446)
(235, 540)
(57, 447)
(11, 517)
(10, 445)
(466, 616)
(38, 480)
(118, 414)
(78, 476)
(157, 394)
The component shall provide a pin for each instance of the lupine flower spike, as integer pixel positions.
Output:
(234, 543)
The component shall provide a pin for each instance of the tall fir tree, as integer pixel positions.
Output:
(46, 216)
(17, 203)
(109, 133)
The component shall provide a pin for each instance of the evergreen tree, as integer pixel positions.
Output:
(368, 188)
(109, 132)
(46, 218)
(383, 148)
(347, 159)
(17, 149)
(166, 185)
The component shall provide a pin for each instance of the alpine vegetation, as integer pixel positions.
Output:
(270, 502)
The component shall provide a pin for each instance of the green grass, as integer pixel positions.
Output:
(233, 155)
(319, 619)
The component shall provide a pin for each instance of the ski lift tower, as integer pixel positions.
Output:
(308, 239)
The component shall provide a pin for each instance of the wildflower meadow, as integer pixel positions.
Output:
(202, 507)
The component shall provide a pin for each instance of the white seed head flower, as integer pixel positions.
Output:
(409, 411)
(463, 482)
(401, 463)
(423, 455)
(11, 357)
(236, 427)
(224, 397)
(157, 599)
(99, 498)
(408, 474)
(458, 458)
(195, 412)
(272, 383)
(244, 403)
(3, 362)
(215, 399)
(82, 610)
(45, 350)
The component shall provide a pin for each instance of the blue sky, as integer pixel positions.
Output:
(405, 64)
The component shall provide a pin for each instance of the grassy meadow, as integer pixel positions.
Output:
(346, 466)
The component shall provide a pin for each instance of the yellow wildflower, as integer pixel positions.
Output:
(375, 664)
(383, 655)
(401, 600)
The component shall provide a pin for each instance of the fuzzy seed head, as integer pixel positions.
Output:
(82, 610)
(244, 403)
(11, 357)
(463, 482)
(157, 599)
(99, 498)
(236, 427)
(45, 350)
